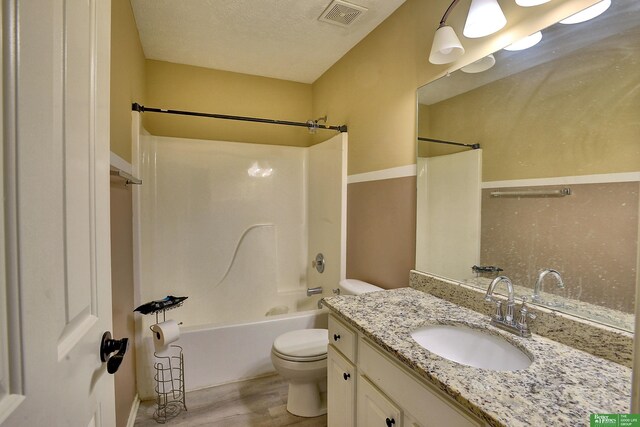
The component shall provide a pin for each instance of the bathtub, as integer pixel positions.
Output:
(215, 355)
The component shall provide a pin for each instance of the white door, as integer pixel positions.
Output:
(448, 214)
(56, 238)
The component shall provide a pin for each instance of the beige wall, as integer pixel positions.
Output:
(185, 87)
(127, 86)
(381, 229)
(127, 75)
(122, 295)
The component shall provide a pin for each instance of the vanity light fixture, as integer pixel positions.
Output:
(446, 46)
(526, 42)
(588, 13)
(485, 17)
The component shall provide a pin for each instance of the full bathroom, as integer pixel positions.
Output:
(337, 200)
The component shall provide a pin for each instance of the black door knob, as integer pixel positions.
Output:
(336, 337)
(109, 346)
(346, 376)
(390, 422)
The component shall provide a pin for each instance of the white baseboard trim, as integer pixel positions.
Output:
(397, 172)
(134, 411)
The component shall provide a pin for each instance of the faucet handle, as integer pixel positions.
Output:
(524, 315)
(498, 313)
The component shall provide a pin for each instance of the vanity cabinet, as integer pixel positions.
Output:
(384, 392)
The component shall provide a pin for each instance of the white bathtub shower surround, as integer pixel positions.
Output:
(234, 226)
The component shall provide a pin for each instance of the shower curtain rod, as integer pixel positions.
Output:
(440, 141)
(311, 124)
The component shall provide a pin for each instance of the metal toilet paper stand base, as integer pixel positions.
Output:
(169, 378)
(168, 366)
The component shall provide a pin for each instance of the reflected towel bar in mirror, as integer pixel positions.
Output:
(440, 141)
(533, 193)
(129, 179)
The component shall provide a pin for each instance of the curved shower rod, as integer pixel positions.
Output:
(311, 124)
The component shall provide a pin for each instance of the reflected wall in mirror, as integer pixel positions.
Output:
(562, 114)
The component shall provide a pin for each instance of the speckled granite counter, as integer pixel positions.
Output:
(600, 340)
(560, 388)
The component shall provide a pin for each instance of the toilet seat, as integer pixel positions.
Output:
(305, 345)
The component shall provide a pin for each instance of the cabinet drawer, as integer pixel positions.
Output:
(343, 338)
(425, 403)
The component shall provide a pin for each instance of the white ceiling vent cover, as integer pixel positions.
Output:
(342, 13)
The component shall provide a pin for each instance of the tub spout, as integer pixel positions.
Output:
(314, 291)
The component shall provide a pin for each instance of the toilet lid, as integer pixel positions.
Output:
(305, 343)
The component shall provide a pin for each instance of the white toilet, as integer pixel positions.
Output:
(301, 358)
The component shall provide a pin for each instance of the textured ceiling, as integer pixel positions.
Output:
(272, 38)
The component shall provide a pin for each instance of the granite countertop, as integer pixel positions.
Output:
(561, 387)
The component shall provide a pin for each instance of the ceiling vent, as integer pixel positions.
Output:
(342, 13)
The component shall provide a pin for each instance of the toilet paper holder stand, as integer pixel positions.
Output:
(168, 366)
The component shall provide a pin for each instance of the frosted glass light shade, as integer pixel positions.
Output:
(485, 17)
(526, 42)
(588, 13)
(482, 64)
(446, 46)
(529, 3)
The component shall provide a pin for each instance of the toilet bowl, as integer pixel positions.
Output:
(301, 358)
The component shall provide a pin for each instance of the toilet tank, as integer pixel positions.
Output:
(356, 287)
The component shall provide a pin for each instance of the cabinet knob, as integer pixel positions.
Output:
(390, 422)
(336, 337)
(346, 376)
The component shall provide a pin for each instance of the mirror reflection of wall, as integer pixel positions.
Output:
(573, 122)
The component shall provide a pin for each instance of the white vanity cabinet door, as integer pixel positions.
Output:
(341, 392)
(374, 408)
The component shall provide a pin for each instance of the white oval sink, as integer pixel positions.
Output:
(472, 347)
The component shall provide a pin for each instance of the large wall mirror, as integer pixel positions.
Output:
(551, 197)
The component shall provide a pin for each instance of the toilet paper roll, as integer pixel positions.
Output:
(164, 333)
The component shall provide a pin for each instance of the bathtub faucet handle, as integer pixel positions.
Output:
(318, 263)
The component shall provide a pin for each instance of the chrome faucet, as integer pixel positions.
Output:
(314, 291)
(510, 298)
(506, 321)
(538, 286)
